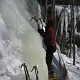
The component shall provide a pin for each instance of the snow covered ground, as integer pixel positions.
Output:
(73, 71)
(19, 43)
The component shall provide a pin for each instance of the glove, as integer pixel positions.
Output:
(41, 31)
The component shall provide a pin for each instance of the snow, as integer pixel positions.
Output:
(73, 71)
(19, 43)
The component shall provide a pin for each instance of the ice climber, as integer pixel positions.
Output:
(49, 41)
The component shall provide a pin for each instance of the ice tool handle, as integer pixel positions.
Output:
(36, 72)
(26, 71)
(37, 21)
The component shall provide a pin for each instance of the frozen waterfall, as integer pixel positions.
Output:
(19, 41)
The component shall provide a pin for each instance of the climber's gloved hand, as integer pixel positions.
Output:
(41, 31)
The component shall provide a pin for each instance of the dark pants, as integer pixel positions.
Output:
(49, 55)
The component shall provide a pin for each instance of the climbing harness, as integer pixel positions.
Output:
(36, 72)
(26, 71)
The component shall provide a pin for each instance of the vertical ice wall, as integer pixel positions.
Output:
(19, 41)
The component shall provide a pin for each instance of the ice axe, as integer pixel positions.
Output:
(26, 71)
(36, 72)
(35, 20)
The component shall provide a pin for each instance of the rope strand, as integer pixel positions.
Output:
(34, 7)
(30, 8)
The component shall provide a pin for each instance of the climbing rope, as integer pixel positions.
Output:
(34, 14)
(34, 7)
(30, 7)
(58, 23)
(59, 20)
